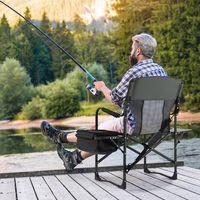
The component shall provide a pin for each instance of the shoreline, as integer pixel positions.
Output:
(83, 121)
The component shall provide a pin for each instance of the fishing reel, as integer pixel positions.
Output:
(92, 89)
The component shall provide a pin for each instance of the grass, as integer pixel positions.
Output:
(89, 108)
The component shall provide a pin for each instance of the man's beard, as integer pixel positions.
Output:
(132, 60)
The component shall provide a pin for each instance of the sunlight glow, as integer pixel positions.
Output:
(100, 9)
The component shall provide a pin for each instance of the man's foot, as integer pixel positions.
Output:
(70, 159)
(51, 132)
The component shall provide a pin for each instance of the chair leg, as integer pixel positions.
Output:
(97, 161)
(97, 177)
(123, 185)
(146, 170)
(174, 177)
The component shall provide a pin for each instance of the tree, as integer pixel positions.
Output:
(21, 50)
(42, 54)
(33, 50)
(79, 24)
(91, 48)
(5, 36)
(178, 39)
(45, 24)
(23, 45)
(61, 63)
(133, 17)
(16, 88)
(62, 101)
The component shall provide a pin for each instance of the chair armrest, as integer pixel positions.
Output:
(110, 112)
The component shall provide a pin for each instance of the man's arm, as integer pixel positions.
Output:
(101, 86)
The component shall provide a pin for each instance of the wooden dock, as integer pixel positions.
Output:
(83, 186)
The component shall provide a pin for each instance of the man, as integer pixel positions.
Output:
(142, 65)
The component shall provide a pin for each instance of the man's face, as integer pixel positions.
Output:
(132, 58)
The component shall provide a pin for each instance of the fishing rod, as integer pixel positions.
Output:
(88, 86)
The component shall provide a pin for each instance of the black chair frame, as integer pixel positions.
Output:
(147, 149)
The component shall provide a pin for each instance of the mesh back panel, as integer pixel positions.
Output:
(151, 99)
(152, 116)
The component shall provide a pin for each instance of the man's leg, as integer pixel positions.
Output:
(70, 159)
(71, 137)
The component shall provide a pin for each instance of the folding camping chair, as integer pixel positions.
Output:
(154, 102)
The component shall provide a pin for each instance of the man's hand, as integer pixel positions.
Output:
(101, 86)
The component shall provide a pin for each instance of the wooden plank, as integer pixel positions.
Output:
(74, 188)
(178, 183)
(190, 169)
(183, 177)
(133, 189)
(190, 172)
(152, 188)
(7, 189)
(162, 184)
(24, 189)
(41, 188)
(57, 188)
(93, 188)
(113, 189)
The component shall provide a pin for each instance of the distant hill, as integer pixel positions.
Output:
(93, 11)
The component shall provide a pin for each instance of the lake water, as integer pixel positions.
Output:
(31, 140)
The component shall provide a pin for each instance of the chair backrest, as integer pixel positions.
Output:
(151, 99)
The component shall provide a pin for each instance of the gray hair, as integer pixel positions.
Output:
(146, 43)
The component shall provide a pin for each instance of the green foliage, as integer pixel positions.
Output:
(99, 72)
(21, 50)
(92, 47)
(79, 25)
(77, 80)
(5, 36)
(30, 48)
(33, 109)
(133, 17)
(16, 88)
(178, 39)
(61, 98)
(61, 101)
(176, 26)
(61, 63)
(58, 99)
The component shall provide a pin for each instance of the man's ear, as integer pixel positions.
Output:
(138, 51)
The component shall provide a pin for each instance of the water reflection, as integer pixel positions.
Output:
(23, 141)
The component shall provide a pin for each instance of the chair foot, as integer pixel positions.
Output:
(174, 177)
(97, 177)
(123, 185)
(146, 170)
